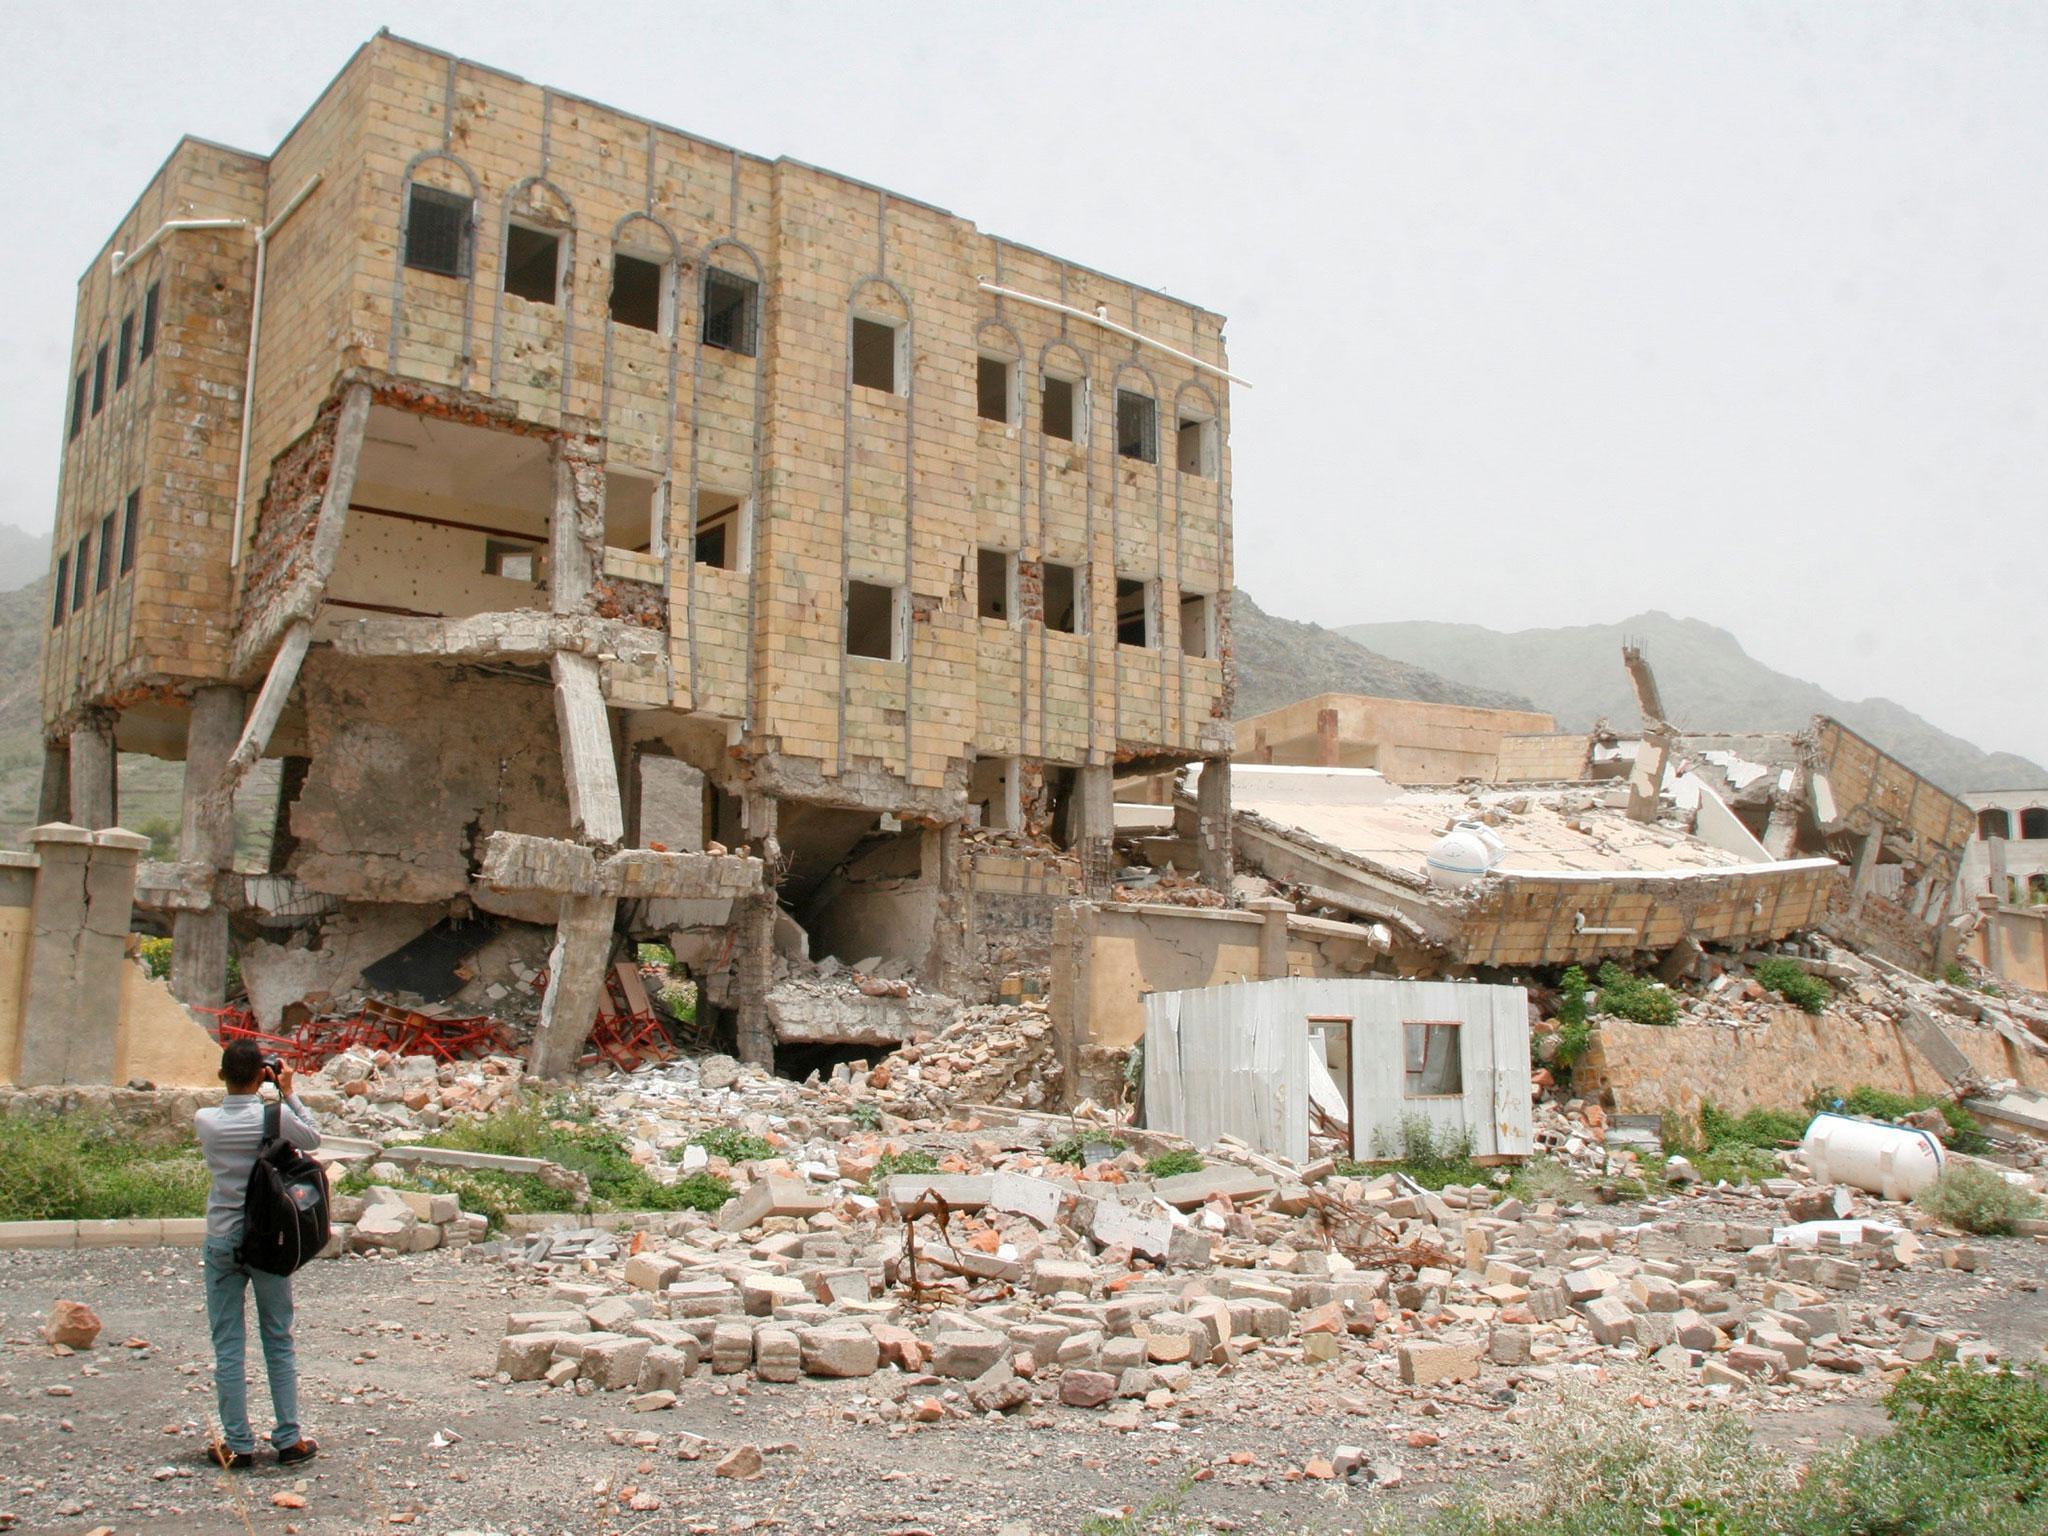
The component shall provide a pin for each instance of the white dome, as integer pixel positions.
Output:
(1466, 852)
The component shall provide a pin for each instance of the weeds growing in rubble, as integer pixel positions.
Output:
(1972, 1197)
(156, 955)
(910, 1160)
(1789, 980)
(1177, 1160)
(1074, 1149)
(1635, 997)
(83, 1167)
(734, 1146)
(1964, 1134)
(1731, 1147)
(1430, 1155)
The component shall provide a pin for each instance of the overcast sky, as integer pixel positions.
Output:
(1554, 313)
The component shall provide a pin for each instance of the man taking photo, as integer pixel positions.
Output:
(230, 1137)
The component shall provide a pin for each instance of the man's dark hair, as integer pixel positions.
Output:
(241, 1063)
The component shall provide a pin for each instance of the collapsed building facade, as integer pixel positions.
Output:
(616, 533)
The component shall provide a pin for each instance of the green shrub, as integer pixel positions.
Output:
(84, 1167)
(1571, 996)
(656, 956)
(1573, 1036)
(1545, 1178)
(866, 1116)
(1790, 981)
(1963, 1134)
(1954, 974)
(1632, 997)
(1734, 1148)
(678, 999)
(1994, 1420)
(1428, 1155)
(1972, 1197)
(1177, 1161)
(910, 1160)
(732, 1145)
(156, 955)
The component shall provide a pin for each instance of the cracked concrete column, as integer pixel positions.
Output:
(1865, 870)
(199, 940)
(78, 916)
(53, 802)
(1999, 880)
(576, 976)
(1212, 823)
(95, 772)
(590, 770)
(1781, 831)
(1273, 914)
(754, 974)
(1093, 819)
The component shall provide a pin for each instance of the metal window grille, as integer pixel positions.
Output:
(729, 311)
(437, 231)
(1137, 426)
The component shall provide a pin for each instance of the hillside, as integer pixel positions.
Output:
(24, 557)
(1279, 661)
(1708, 681)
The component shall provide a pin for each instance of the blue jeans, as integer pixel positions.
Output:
(225, 1282)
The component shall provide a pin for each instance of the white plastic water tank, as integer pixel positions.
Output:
(1470, 849)
(1894, 1161)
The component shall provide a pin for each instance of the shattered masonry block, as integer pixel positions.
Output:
(777, 1354)
(526, 1356)
(1021, 1195)
(614, 1365)
(732, 1348)
(1188, 1190)
(1610, 1319)
(772, 1197)
(960, 1191)
(1087, 1389)
(614, 1314)
(1050, 1276)
(547, 1322)
(965, 1354)
(516, 861)
(761, 1293)
(1425, 1362)
(844, 1350)
(668, 1366)
(702, 1298)
(652, 1271)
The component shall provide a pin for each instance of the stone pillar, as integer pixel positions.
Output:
(1326, 738)
(579, 488)
(576, 977)
(2000, 880)
(1781, 831)
(95, 790)
(54, 801)
(589, 768)
(78, 917)
(754, 973)
(1865, 870)
(1093, 820)
(1212, 823)
(1273, 913)
(199, 940)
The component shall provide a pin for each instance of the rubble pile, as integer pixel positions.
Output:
(1009, 1281)
(400, 1221)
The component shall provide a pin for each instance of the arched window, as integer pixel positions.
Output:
(1992, 822)
(2034, 823)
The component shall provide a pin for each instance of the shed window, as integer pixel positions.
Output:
(124, 345)
(636, 292)
(103, 572)
(533, 263)
(1056, 414)
(1993, 823)
(873, 626)
(2033, 824)
(993, 580)
(875, 344)
(57, 587)
(147, 342)
(1058, 586)
(730, 304)
(1134, 613)
(437, 231)
(130, 525)
(992, 388)
(1137, 426)
(1432, 1059)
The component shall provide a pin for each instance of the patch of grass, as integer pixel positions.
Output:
(1634, 997)
(1977, 1200)
(1074, 1149)
(1790, 981)
(88, 1168)
(1955, 975)
(732, 1145)
(1964, 1134)
(911, 1160)
(1160, 1515)
(659, 956)
(1179, 1160)
(1992, 1419)
(1735, 1148)
(678, 998)
(1545, 1178)
(866, 1116)
(1430, 1156)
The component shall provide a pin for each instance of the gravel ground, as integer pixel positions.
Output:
(395, 1357)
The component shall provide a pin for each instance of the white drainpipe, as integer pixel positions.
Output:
(1100, 317)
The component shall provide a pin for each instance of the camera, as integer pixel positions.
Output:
(272, 1065)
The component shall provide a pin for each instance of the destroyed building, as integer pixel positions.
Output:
(615, 532)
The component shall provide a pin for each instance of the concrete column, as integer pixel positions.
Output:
(79, 914)
(754, 962)
(1326, 738)
(2000, 881)
(1781, 832)
(54, 801)
(1093, 820)
(1273, 914)
(95, 772)
(576, 976)
(589, 768)
(571, 571)
(1212, 823)
(1865, 870)
(199, 940)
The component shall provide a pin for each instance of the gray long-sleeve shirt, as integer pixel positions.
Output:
(230, 1138)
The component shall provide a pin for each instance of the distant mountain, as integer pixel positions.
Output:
(24, 557)
(1279, 661)
(1708, 681)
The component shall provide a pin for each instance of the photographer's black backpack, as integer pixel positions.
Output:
(284, 1214)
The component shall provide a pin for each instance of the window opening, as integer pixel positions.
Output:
(533, 263)
(79, 573)
(1195, 632)
(1195, 447)
(1329, 1038)
(1137, 426)
(874, 354)
(632, 515)
(1993, 823)
(1433, 1065)
(995, 580)
(437, 231)
(1056, 408)
(125, 343)
(147, 343)
(1059, 587)
(78, 404)
(130, 520)
(992, 390)
(719, 542)
(1133, 617)
(992, 789)
(871, 624)
(637, 288)
(103, 572)
(512, 561)
(99, 379)
(2033, 824)
(57, 587)
(730, 302)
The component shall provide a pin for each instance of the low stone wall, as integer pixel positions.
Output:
(2012, 942)
(1645, 1069)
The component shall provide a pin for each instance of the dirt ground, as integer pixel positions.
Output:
(396, 1359)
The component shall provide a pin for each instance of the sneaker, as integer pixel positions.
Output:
(228, 1461)
(292, 1455)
